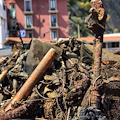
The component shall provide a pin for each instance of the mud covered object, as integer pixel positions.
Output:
(37, 50)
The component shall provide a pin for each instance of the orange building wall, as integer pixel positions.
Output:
(41, 28)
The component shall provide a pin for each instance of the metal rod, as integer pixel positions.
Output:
(34, 78)
(98, 27)
(4, 73)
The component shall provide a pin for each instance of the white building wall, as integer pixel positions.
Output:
(4, 52)
(3, 24)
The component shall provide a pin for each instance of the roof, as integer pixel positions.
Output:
(105, 39)
(14, 40)
(108, 37)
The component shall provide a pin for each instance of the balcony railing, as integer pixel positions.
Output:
(28, 12)
(54, 26)
(53, 11)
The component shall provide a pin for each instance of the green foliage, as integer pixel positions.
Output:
(116, 30)
(108, 18)
(79, 10)
(71, 2)
(77, 20)
(75, 35)
(82, 5)
(87, 5)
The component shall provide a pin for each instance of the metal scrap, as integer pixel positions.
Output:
(62, 89)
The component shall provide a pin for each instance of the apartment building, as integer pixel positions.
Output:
(38, 18)
(3, 23)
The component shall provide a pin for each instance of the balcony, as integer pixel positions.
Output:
(13, 29)
(29, 28)
(28, 12)
(54, 11)
(54, 27)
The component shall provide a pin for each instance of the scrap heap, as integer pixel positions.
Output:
(58, 90)
(62, 80)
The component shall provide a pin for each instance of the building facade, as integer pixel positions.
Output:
(39, 18)
(110, 41)
(3, 23)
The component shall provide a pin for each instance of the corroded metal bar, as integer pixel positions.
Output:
(99, 15)
(97, 58)
(4, 73)
(21, 110)
(34, 78)
(98, 28)
(3, 59)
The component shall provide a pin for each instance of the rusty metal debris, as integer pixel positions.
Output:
(61, 87)
(2, 76)
(33, 79)
(65, 86)
(74, 81)
(99, 15)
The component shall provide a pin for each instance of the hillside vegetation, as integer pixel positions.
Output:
(78, 11)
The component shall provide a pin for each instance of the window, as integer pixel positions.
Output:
(54, 35)
(12, 10)
(29, 35)
(28, 5)
(43, 20)
(53, 21)
(43, 6)
(52, 4)
(2, 22)
(29, 22)
(12, 24)
(113, 44)
(12, 6)
(43, 35)
(4, 7)
(104, 45)
(109, 45)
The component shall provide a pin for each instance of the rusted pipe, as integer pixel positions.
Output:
(4, 73)
(98, 28)
(3, 59)
(34, 78)
(99, 15)
(21, 110)
(97, 58)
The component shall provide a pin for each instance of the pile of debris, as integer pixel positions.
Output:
(53, 81)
